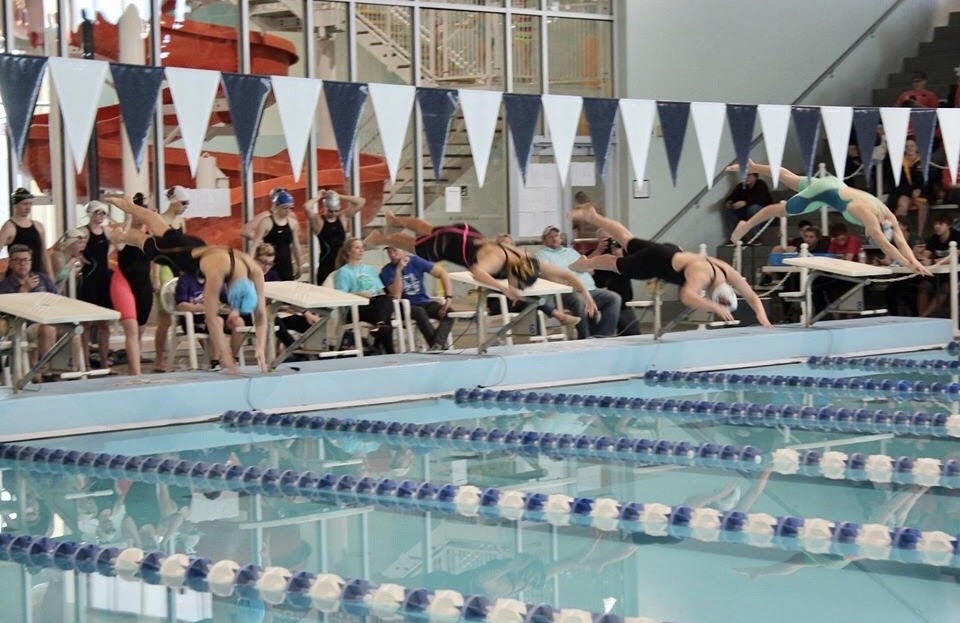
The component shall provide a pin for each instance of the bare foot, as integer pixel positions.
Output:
(584, 212)
(392, 219)
(374, 239)
(739, 231)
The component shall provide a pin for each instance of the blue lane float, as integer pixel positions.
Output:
(254, 586)
(950, 366)
(828, 418)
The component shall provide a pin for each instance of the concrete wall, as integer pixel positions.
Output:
(743, 51)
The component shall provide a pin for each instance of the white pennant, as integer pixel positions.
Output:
(837, 120)
(708, 121)
(775, 120)
(563, 116)
(949, 120)
(392, 104)
(193, 91)
(481, 109)
(637, 117)
(297, 106)
(895, 124)
(79, 84)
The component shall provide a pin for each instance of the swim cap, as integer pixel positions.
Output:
(282, 199)
(97, 206)
(724, 294)
(242, 296)
(20, 194)
(178, 194)
(140, 200)
(526, 270)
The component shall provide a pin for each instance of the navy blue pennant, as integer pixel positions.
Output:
(806, 122)
(742, 118)
(924, 122)
(345, 102)
(865, 122)
(436, 110)
(673, 122)
(20, 78)
(601, 113)
(246, 96)
(137, 88)
(523, 112)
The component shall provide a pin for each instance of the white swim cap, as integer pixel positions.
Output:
(724, 294)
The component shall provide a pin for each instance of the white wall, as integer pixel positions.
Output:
(743, 51)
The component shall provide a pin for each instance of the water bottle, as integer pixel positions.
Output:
(862, 257)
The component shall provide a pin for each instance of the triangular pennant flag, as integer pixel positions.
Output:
(895, 124)
(775, 121)
(601, 114)
(392, 104)
(637, 117)
(949, 119)
(562, 113)
(522, 112)
(246, 96)
(865, 121)
(193, 91)
(924, 121)
(79, 84)
(345, 102)
(481, 109)
(708, 124)
(297, 107)
(436, 111)
(837, 120)
(806, 123)
(742, 118)
(137, 88)
(20, 78)
(673, 122)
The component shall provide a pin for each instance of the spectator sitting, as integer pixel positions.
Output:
(355, 277)
(912, 192)
(746, 200)
(21, 278)
(615, 282)
(918, 95)
(553, 252)
(403, 277)
(842, 244)
(933, 291)
(188, 297)
(66, 257)
(812, 236)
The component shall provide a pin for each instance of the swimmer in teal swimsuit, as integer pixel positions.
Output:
(856, 206)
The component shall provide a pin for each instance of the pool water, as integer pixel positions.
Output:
(671, 574)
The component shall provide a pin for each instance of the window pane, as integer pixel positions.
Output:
(461, 49)
(580, 57)
(384, 46)
(600, 7)
(496, 3)
(525, 30)
(525, 4)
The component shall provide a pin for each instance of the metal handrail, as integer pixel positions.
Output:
(813, 85)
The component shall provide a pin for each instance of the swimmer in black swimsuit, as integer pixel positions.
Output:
(487, 261)
(219, 266)
(706, 283)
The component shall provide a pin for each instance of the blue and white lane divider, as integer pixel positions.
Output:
(816, 535)
(935, 424)
(278, 586)
(952, 348)
(946, 366)
(854, 385)
(834, 465)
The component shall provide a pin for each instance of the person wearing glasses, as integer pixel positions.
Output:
(22, 229)
(21, 278)
(179, 201)
(287, 320)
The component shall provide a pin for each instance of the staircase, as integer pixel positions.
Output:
(937, 58)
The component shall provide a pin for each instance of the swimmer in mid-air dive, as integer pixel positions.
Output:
(486, 260)
(706, 283)
(219, 266)
(856, 206)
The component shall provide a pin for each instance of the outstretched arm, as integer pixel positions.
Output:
(871, 224)
(743, 288)
(790, 179)
(552, 272)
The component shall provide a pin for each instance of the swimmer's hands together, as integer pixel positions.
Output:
(723, 312)
(513, 294)
(922, 270)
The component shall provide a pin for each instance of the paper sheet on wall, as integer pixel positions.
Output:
(452, 201)
(540, 202)
(583, 174)
(209, 202)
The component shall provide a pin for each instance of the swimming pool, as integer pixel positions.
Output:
(723, 503)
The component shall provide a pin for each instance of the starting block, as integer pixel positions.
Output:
(860, 275)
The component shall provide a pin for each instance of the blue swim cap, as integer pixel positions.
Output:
(242, 296)
(282, 199)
